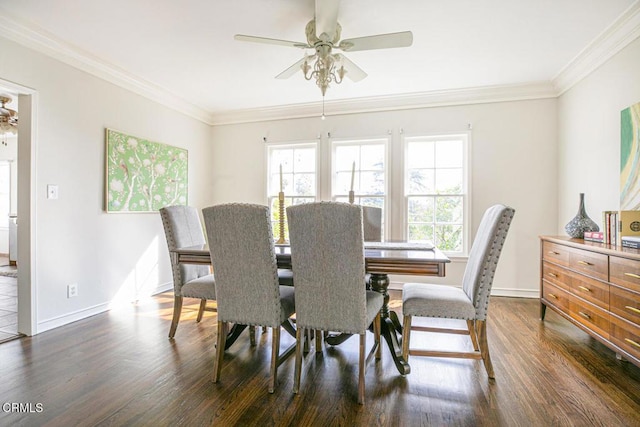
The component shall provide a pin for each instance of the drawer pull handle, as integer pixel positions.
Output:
(552, 274)
(585, 315)
(553, 296)
(584, 288)
(632, 342)
(584, 263)
(632, 309)
(554, 253)
(635, 276)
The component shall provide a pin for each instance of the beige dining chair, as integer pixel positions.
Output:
(182, 228)
(327, 256)
(470, 303)
(247, 287)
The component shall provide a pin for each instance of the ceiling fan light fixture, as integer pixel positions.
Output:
(8, 117)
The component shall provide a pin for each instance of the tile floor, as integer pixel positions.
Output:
(8, 304)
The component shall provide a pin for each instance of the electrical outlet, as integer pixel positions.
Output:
(72, 290)
(52, 191)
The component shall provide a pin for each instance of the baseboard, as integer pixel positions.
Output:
(56, 322)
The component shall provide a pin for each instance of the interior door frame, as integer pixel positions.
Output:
(26, 205)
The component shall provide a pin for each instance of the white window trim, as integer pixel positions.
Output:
(386, 140)
(467, 220)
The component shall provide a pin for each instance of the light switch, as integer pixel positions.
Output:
(52, 191)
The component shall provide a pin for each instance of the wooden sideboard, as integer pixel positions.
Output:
(596, 287)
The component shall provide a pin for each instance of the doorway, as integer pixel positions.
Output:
(22, 277)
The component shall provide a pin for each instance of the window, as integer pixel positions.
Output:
(360, 165)
(293, 170)
(436, 190)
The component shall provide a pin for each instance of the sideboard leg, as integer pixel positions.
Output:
(543, 310)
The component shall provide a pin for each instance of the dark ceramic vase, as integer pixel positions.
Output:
(581, 223)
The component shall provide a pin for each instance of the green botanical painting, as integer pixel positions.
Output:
(143, 176)
(630, 158)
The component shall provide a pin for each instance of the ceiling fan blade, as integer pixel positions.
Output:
(354, 72)
(254, 39)
(291, 70)
(380, 41)
(327, 17)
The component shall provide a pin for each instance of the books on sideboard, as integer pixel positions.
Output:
(630, 242)
(629, 223)
(594, 236)
(615, 226)
(609, 227)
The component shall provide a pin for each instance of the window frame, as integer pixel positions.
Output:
(385, 141)
(270, 147)
(465, 137)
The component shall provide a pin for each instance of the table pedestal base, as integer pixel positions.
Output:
(389, 323)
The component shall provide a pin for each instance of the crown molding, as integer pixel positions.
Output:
(13, 29)
(623, 31)
(466, 96)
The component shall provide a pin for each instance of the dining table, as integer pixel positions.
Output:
(381, 260)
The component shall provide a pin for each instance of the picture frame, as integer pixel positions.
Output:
(142, 176)
(630, 158)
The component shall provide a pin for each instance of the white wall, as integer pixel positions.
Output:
(589, 136)
(513, 162)
(107, 255)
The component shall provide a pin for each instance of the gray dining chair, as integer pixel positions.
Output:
(327, 256)
(247, 287)
(372, 223)
(182, 228)
(470, 303)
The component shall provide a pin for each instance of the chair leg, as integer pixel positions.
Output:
(275, 349)
(361, 368)
(406, 333)
(318, 341)
(471, 326)
(221, 341)
(484, 347)
(300, 343)
(203, 305)
(376, 335)
(252, 336)
(177, 309)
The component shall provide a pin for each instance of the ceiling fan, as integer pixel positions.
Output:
(323, 35)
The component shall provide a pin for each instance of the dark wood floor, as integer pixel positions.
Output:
(119, 368)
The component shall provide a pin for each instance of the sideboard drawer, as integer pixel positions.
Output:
(556, 296)
(594, 291)
(625, 272)
(555, 253)
(625, 304)
(626, 335)
(556, 275)
(590, 263)
(590, 316)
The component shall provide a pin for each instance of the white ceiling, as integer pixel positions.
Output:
(186, 48)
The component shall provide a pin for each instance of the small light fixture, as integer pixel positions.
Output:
(8, 119)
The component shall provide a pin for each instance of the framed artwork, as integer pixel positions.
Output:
(142, 175)
(630, 158)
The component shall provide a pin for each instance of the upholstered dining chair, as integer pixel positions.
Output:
(471, 302)
(247, 287)
(327, 256)
(182, 228)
